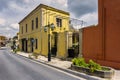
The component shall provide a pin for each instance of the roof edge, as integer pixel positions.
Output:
(46, 7)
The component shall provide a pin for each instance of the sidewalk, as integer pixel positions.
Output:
(62, 64)
(54, 61)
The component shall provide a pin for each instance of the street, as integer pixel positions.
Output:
(15, 67)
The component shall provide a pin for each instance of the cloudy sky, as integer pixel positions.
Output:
(13, 11)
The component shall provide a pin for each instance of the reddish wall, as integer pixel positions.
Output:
(102, 43)
(112, 30)
(91, 39)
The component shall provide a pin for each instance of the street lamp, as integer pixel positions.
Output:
(47, 28)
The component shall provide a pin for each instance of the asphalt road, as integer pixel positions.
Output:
(15, 67)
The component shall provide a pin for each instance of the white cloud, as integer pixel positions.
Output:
(13, 5)
(7, 28)
(26, 1)
(15, 25)
(82, 7)
(90, 18)
(59, 4)
(2, 21)
(62, 2)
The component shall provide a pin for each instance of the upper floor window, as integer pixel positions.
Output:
(26, 27)
(32, 24)
(37, 22)
(59, 22)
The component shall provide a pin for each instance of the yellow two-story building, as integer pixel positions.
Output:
(33, 35)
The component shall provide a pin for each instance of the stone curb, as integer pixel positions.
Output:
(82, 75)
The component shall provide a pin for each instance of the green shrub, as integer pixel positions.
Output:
(91, 65)
(75, 61)
(80, 62)
(16, 50)
(94, 66)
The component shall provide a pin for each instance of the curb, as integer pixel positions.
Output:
(82, 75)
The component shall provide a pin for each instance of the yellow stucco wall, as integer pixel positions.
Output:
(62, 45)
(45, 15)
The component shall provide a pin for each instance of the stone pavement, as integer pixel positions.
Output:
(117, 75)
(62, 64)
(54, 61)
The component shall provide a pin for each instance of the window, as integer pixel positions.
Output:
(37, 22)
(36, 43)
(59, 22)
(32, 24)
(26, 27)
(22, 30)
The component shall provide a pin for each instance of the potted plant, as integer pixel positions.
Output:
(91, 68)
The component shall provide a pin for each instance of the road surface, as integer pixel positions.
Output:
(15, 67)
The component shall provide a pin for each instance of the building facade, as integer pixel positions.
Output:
(2, 41)
(101, 43)
(33, 35)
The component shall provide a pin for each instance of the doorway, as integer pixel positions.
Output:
(22, 45)
(26, 44)
(54, 41)
(32, 44)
